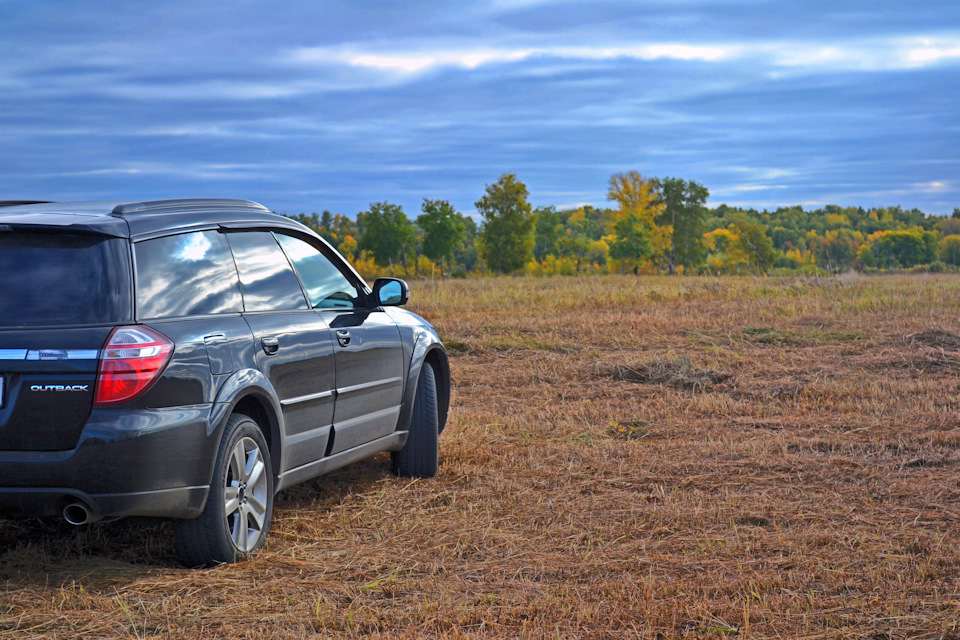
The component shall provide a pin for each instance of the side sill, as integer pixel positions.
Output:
(392, 442)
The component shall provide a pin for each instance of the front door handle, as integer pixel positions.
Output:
(343, 337)
(270, 345)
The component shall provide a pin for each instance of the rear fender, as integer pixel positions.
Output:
(246, 386)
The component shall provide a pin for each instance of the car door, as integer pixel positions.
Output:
(292, 344)
(368, 352)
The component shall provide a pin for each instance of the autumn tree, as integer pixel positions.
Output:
(950, 250)
(753, 241)
(506, 240)
(442, 230)
(635, 195)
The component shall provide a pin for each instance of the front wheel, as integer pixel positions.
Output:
(239, 507)
(420, 457)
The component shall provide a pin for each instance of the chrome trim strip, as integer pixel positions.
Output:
(366, 386)
(306, 398)
(49, 354)
(389, 412)
(63, 354)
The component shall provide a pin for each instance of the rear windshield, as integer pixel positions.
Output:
(50, 279)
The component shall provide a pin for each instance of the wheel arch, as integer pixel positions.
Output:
(437, 358)
(430, 353)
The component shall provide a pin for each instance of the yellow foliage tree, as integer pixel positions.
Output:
(635, 194)
(724, 251)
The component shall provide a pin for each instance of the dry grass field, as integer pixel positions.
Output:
(625, 458)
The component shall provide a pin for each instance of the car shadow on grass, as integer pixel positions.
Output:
(50, 551)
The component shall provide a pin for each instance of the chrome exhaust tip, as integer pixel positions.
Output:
(77, 513)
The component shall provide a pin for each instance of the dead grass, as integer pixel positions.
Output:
(624, 458)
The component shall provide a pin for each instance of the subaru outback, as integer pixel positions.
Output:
(188, 359)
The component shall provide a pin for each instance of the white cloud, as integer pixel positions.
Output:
(868, 55)
(469, 58)
(760, 187)
(852, 55)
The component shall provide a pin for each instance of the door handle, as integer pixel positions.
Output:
(270, 345)
(343, 337)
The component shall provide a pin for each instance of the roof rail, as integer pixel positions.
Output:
(13, 203)
(185, 203)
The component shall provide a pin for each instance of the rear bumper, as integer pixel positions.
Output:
(182, 502)
(148, 463)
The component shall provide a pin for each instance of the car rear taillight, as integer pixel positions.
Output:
(131, 361)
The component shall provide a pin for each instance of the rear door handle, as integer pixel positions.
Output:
(343, 337)
(270, 345)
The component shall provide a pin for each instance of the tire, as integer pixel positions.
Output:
(236, 519)
(420, 456)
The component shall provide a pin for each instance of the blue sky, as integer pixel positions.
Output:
(306, 106)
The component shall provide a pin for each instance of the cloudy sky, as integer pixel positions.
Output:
(312, 105)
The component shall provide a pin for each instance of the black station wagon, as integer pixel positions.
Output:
(190, 358)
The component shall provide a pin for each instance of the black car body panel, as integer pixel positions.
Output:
(328, 381)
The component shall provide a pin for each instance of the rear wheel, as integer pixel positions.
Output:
(420, 457)
(239, 507)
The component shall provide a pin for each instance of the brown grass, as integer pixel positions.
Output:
(650, 458)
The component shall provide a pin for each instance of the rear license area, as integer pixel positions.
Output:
(46, 392)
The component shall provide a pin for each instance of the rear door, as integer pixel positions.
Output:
(60, 298)
(292, 344)
(369, 356)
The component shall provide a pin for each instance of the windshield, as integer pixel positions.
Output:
(49, 279)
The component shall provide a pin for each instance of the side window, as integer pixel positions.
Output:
(186, 275)
(268, 281)
(326, 286)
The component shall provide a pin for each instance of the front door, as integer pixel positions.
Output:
(370, 380)
(367, 347)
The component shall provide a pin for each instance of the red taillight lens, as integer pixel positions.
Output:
(132, 360)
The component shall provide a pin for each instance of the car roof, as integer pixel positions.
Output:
(133, 218)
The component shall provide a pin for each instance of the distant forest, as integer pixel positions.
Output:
(654, 225)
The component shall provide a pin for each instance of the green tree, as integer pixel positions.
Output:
(465, 255)
(442, 230)
(685, 210)
(632, 242)
(548, 230)
(326, 227)
(905, 248)
(507, 235)
(386, 232)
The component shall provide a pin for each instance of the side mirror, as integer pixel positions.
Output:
(390, 292)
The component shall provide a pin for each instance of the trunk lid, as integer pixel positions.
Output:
(60, 296)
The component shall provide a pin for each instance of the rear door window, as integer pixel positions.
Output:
(189, 274)
(269, 283)
(51, 279)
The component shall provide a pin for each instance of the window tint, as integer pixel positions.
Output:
(326, 286)
(269, 283)
(186, 275)
(59, 279)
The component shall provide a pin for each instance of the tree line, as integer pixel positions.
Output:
(654, 225)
